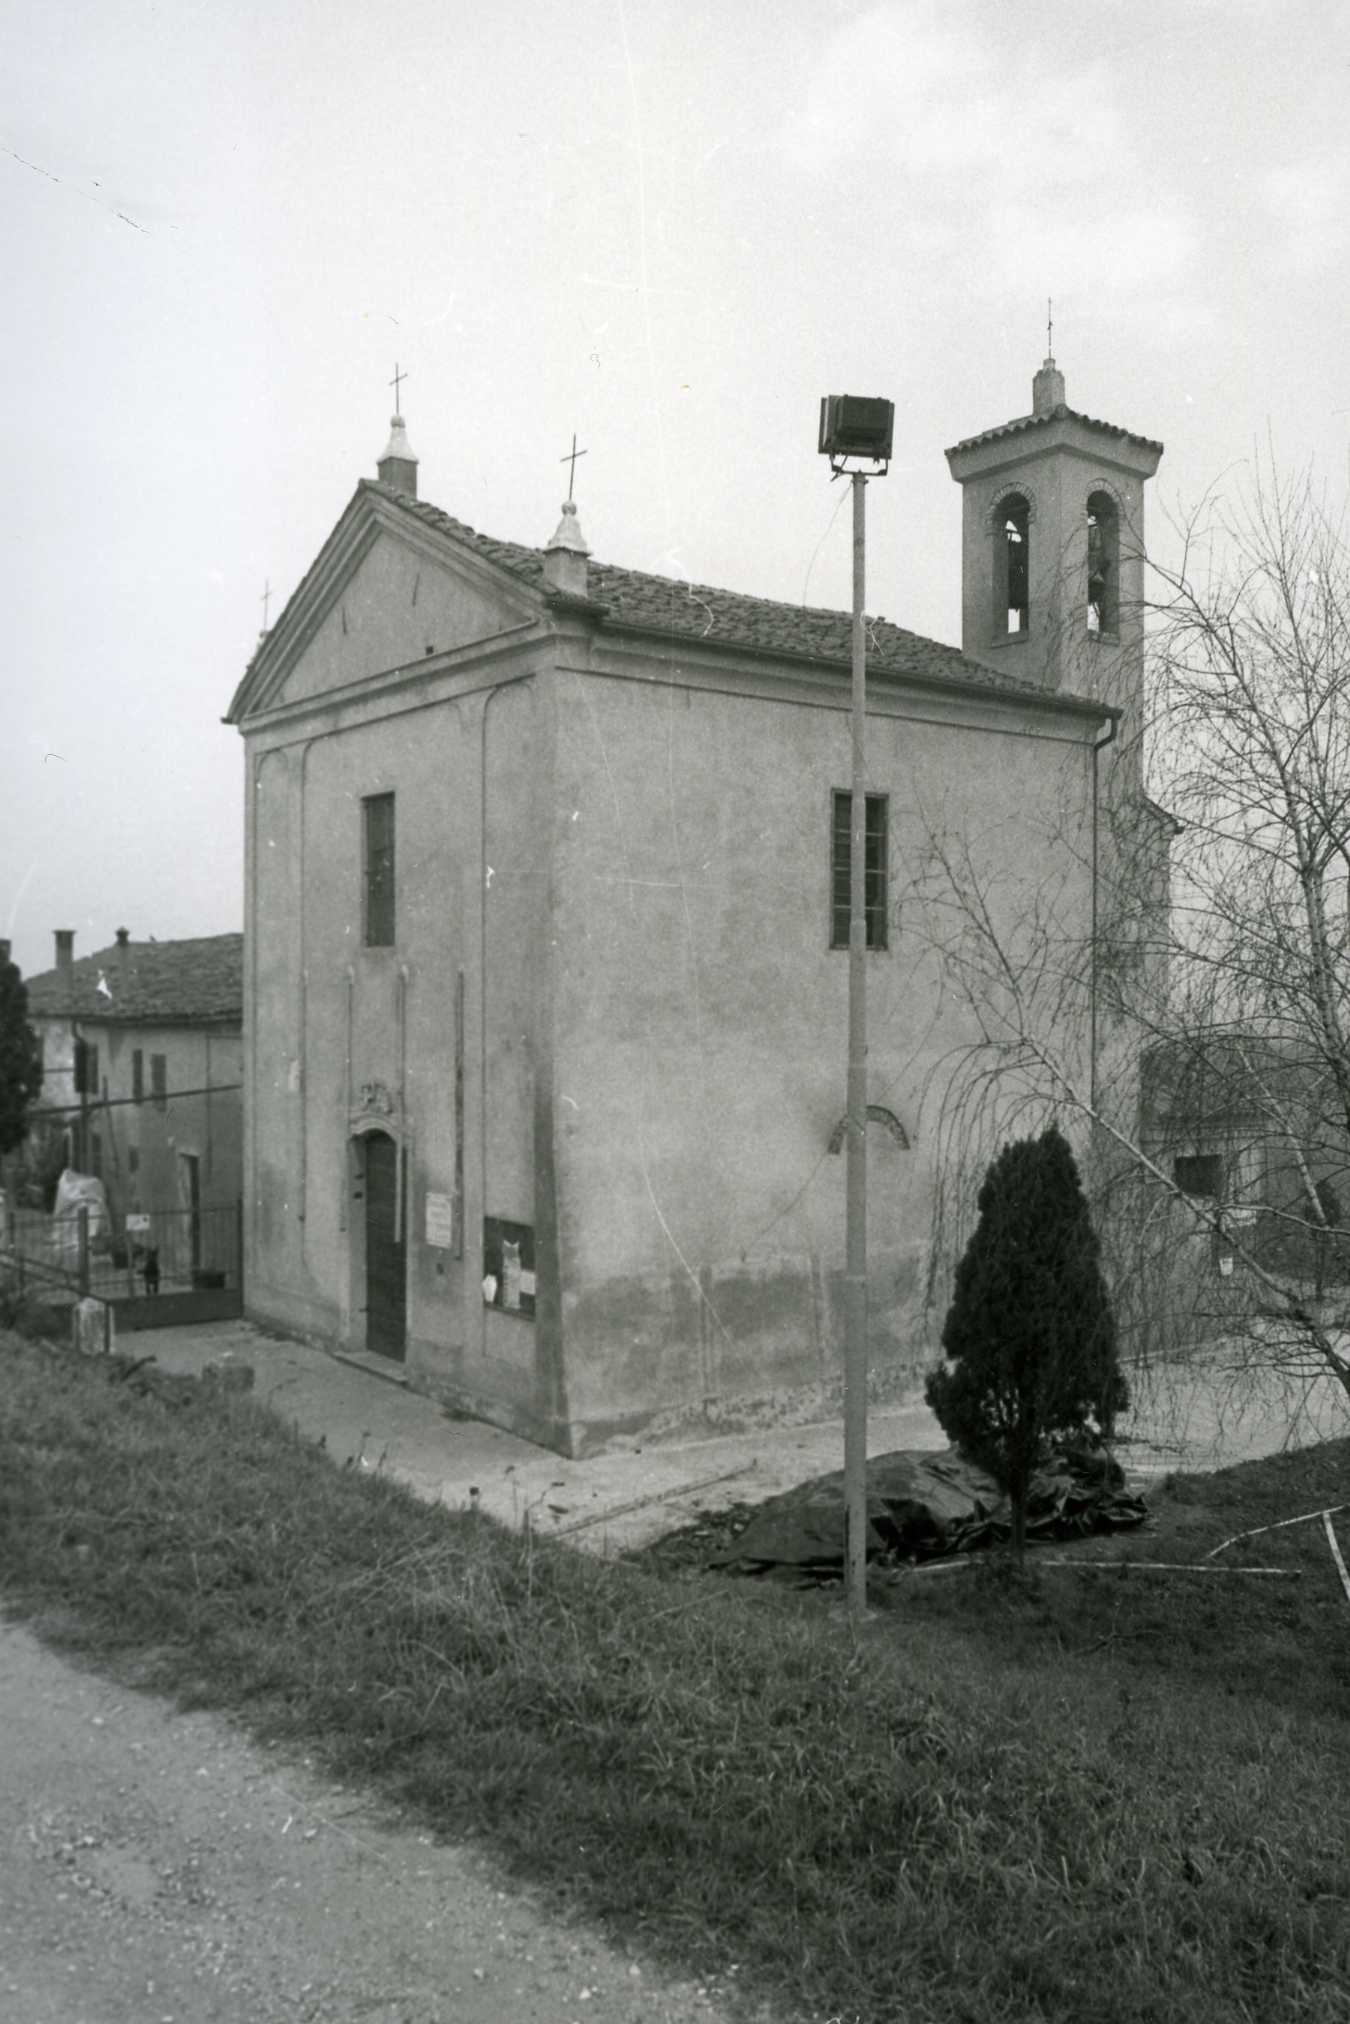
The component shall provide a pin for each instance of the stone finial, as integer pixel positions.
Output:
(398, 465)
(565, 556)
(1047, 389)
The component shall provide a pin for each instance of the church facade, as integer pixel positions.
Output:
(546, 937)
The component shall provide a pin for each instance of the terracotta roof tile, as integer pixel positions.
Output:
(1056, 414)
(700, 611)
(524, 562)
(171, 983)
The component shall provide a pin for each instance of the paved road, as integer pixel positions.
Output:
(157, 1869)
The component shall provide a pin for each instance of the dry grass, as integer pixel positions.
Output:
(981, 1812)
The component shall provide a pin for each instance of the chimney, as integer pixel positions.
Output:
(398, 466)
(123, 963)
(565, 556)
(65, 954)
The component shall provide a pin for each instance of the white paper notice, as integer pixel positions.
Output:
(441, 1221)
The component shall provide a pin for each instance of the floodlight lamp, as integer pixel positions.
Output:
(854, 426)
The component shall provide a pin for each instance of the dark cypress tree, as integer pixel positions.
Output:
(1029, 1337)
(20, 1055)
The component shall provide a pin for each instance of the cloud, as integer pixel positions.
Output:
(1305, 204)
(929, 90)
(1120, 250)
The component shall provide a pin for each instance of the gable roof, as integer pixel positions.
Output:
(169, 984)
(641, 602)
(633, 600)
(1059, 413)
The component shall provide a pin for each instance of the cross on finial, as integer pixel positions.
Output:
(265, 600)
(1050, 326)
(571, 458)
(396, 382)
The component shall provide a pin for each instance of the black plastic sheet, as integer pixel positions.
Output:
(923, 1504)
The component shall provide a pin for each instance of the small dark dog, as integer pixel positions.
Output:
(150, 1267)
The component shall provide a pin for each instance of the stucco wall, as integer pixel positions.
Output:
(377, 1030)
(400, 607)
(139, 1143)
(206, 1127)
(700, 1021)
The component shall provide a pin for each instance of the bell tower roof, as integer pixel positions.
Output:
(1048, 405)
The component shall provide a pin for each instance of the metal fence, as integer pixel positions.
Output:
(163, 1252)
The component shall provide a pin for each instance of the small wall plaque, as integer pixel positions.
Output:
(441, 1221)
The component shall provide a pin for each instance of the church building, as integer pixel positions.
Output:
(547, 907)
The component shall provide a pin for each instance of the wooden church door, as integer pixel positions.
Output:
(386, 1259)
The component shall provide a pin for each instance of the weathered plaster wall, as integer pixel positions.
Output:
(205, 1126)
(400, 607)
(700, 1020)
(275, 1273)
(347, 1035)
(58, 1060)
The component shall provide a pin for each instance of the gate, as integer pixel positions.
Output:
(163, 1267)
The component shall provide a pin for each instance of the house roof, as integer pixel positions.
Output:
(634, 600)
(1059, 413)
(169, 984)
(1216, 1077)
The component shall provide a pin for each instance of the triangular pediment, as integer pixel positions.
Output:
(388, 591)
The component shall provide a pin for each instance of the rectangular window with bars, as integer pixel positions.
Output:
(377, 811)
(874, 870)
(159, 1080)
(137, 1074)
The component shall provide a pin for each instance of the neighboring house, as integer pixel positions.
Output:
(1252, 1128)
(142, 1078)
(547, 915)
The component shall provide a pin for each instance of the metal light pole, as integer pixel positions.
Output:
(850, 427)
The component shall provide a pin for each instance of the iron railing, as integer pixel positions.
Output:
(162, 1251)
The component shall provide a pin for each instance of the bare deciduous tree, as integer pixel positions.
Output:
(1217, 1095)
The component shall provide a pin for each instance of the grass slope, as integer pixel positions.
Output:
(1048, 1798)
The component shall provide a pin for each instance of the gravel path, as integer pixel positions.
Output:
(157, 1867)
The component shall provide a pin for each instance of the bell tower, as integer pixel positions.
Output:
(1052, 558)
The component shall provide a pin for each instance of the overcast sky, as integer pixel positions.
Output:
(670, 225)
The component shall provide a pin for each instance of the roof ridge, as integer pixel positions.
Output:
(189, 978)
(643, 601)
(1060, 412)
(426, 508)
